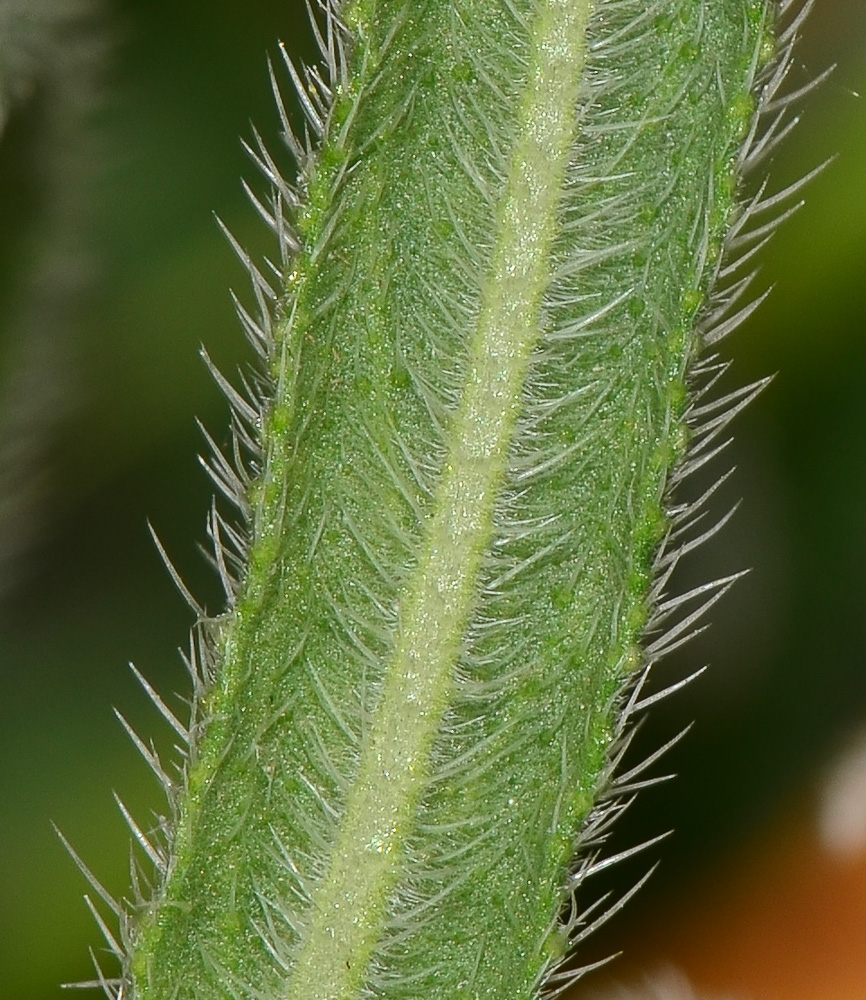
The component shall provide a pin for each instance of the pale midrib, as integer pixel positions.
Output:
(349, 904)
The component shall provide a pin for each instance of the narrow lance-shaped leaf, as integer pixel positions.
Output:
(494, 283)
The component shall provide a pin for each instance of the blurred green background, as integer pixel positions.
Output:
(113, 272)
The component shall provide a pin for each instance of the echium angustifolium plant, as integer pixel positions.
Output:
(514, 231)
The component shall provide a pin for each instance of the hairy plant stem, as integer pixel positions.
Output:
(478, 395)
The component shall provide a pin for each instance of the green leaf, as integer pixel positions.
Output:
(454, 476)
